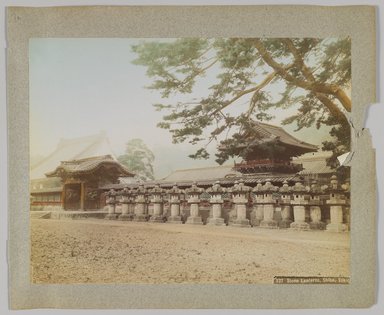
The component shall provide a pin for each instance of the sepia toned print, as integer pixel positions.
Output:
(190, 160)
(75, 92)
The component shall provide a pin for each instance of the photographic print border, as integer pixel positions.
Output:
(269, 21)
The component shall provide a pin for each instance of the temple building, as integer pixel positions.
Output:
(269, 149)
(78, 174)
(71, 176)
(81, 180)
(75, 184)
(72, 149)
(282, 182)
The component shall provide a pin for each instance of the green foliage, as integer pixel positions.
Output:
(138, 159)
(313, 73)
(336, 67)
(308, 114)
(341, 144)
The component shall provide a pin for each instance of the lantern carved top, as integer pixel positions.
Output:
(269, 187)
(258, 188)
(240, 188)
(141, 190)
(124, 192)
(216, 188)
(299, 188)
(111, 196)
(175, 190)
(347, 186)
(157, 190)
(194, 189)
(315, 188)
(111, 193)
(285, 189)
(334, 185)
(127, 192)
(127, 195)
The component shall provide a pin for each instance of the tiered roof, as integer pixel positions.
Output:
(271, 133)
(265, 141)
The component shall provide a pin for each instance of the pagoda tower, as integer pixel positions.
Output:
(267, 148)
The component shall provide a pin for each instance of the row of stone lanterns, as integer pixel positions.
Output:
(134, 204)
(298, 198)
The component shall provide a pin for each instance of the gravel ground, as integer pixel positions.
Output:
(101, 251)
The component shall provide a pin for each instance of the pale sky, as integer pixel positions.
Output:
(79, 87)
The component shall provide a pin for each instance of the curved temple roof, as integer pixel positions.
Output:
(73, 149)
(88, 165)
(278, 133)
(264, 141)
(260, 138)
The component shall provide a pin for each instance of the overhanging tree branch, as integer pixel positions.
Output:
(331, 89)
(176, 68)
(200, 71)
(257, 88)
(299, 61)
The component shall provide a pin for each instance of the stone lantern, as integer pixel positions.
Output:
(174, 201)
(111, 202)
(157, 200)
(126, 204)
(240, 194)
(336, 202)
(193, 194)
(299, 203)
(257, 214)
(269, 203)
(216, 200)
(285, 202)
(314, 207)
(141, 204)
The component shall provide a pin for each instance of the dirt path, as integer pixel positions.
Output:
(99, 251)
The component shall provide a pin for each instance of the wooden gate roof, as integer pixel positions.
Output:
(88, 166)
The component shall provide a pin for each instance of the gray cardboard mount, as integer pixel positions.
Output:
(358, 22)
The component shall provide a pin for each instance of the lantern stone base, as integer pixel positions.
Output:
(299, 226)
(140, 218)
(270, 224)
(241, 223)
(337, 227)
(285, 224)
(111, 216)
(194, 220)
(317, 225)
(126, 217)
(157, 219)
(215, 221)
(174, 219)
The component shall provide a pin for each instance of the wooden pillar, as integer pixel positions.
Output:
(82, 195)
(63, 197)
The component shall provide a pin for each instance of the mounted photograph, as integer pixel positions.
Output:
(190, 160)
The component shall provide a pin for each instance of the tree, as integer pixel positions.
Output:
(312, 75)
(138, 159)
